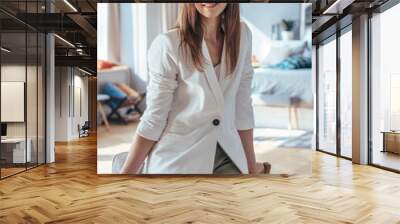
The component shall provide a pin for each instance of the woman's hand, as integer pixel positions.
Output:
(258, 168)
(246, 136)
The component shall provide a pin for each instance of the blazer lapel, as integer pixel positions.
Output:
(212, 77)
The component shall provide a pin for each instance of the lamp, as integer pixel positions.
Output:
(337, 7)
(5, 50)
(70, 5)
(64, 40)
(84, 71)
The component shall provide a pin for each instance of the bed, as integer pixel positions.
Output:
(290, 89)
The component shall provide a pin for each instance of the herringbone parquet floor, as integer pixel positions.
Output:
(69, 191)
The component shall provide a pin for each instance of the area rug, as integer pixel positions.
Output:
(284, 138)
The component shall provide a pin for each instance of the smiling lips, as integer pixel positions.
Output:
(209, 5)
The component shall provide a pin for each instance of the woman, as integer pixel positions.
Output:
(199, 117)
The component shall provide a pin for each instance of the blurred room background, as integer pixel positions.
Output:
(282, 88)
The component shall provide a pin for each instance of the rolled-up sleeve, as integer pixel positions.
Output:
(162, 83)
(244, 109)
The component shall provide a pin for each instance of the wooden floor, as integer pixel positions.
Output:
(69, 191)
(387, 159)
(10, 171)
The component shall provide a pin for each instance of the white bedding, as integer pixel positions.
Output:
(275, 87)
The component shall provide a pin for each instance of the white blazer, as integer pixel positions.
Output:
(189, 111)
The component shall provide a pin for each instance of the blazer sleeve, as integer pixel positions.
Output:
(162, 71)
(244, 109)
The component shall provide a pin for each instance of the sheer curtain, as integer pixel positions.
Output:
(148, 21)
(126, 31)
(140, 45)
(169, 12)
(108, 32)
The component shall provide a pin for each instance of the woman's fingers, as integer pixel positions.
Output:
(267, 167)
(259, 168)
(263, 168)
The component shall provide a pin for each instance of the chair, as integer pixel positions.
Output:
(120, 99)
(118, 161)
(84, 129)
(101, 100)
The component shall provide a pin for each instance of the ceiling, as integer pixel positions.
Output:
(74, 22)
(330, 15)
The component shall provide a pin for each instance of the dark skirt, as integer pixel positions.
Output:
(223, 164)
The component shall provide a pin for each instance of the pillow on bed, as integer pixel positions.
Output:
(298, 50)
(294, 62)
(275, 55)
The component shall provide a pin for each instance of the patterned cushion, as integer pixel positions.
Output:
(294, 62)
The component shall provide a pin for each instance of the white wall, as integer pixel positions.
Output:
(69, 85)
(261, 17)
(61, 103)
(79, 117)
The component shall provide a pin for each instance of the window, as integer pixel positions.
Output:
(22, 77)
(327, 97)
(346, 94)
(385, 89)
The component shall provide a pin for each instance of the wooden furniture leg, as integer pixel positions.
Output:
(295, 115)
(290, 123)
(103, 115)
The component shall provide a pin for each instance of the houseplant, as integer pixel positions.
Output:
(287, 29)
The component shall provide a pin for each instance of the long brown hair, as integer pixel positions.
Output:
(191, 33)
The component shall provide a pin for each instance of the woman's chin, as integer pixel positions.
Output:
(209, 5)
(210, 10)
